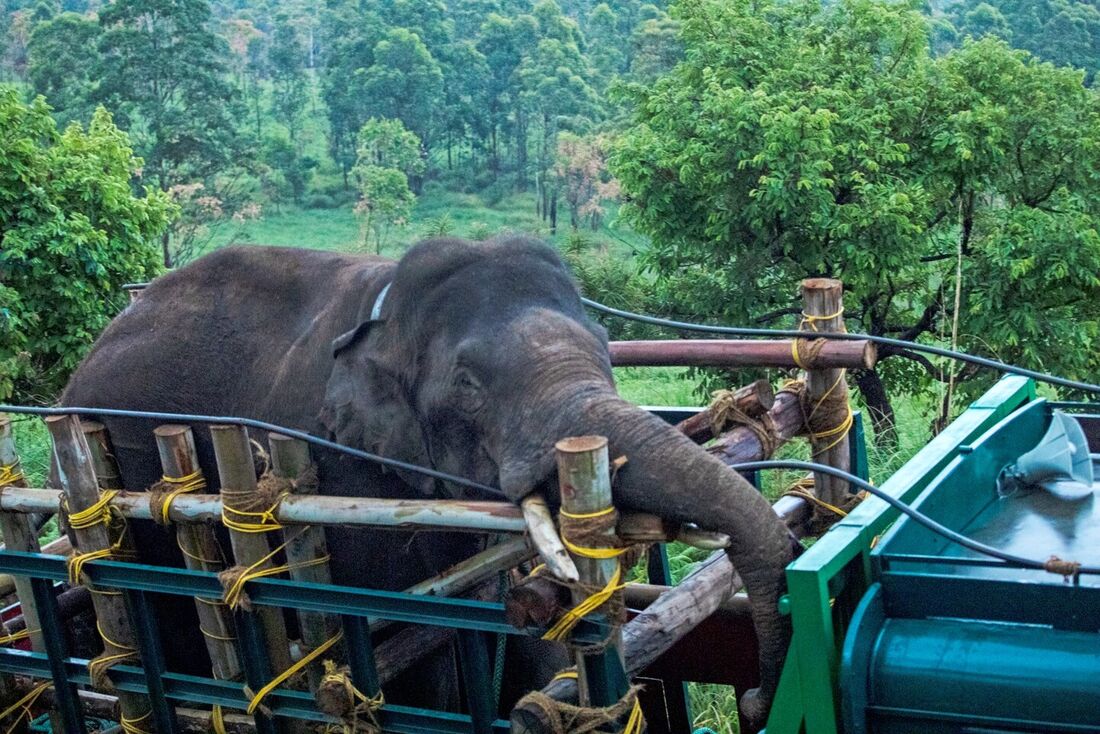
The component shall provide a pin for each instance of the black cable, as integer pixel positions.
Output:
(897, 504)
(808, 466)
(259, 425)
(884, 340)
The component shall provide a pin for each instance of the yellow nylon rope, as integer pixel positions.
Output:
(76, 564)
(286, 674)
(9, 475)
(570, 619)
(193, 482)
(130, 726)
(372, 704)
(24, 703)
(16, 636)
(232, 595)
(266, 524)
(811, 321)
(95, 514)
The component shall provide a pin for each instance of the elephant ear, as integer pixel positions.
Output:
(366, 406)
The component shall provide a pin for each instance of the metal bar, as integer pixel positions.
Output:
(152, 658)
(395, 606)
(53, 640)
(474, 661)
(444, 515)
(282, 702)
(364, 669)
(257, 666)
(737, 353)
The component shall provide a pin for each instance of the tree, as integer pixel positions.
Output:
(164, 73)
(404, 83)
(797, 139)
(582, 177)
(288, 76)
(61, 59)
(71, 233)
(386, 151)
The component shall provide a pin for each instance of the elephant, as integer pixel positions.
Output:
(470, 358)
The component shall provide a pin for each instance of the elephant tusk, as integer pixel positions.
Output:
(705, 539)
(540, 524)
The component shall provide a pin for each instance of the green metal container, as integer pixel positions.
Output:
(947, 640)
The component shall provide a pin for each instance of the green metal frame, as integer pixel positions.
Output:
(827, 582)
(473, 619)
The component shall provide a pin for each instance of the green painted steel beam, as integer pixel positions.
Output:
(282, 702)
(396, 606)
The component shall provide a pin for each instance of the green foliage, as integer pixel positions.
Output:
(404, 83)
(386, 151)
(288, 77)
(386, 143)
(72, 233)
(61, 63)
(1065, 32)
(799, 140)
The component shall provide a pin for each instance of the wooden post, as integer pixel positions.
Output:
(304, 547)
(201, 552)
(18, 533)
(237, 474)
(584, 479)
(823, 308)
(103, 458)
(76, 474)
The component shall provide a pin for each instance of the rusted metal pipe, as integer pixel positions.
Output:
(738, 353)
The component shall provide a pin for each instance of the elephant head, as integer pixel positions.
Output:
(481, 357)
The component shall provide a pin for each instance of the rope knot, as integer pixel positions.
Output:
(567, 718)
(338, 697)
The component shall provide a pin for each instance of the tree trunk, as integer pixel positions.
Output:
(883, 420)
(553, 215)
(164, 242)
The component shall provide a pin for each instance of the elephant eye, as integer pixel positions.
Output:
(469, 396)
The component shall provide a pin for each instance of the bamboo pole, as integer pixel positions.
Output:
(76, 475)
(306, 551)
(823, 308)
(201, 552)
(753, 400)
(853, 354)
(584, 480)
(103, 458)
(18, 533)
(237, 473)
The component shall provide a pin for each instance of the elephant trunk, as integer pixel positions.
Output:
(668, 475)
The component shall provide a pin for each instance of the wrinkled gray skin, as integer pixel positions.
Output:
(482, 360)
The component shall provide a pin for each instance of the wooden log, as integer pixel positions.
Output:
(201, 552)
(853, 354)
(18, 535)
(306, 550)
(823, 306)
(742, 444)
(76, 475)
(654, 631)
(237, 477)
(584, 481)
(753, 400)
(17, 530)
(103, 458)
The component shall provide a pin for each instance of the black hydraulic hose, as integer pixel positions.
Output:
(897, 504)
(259, 425)
(884, 340)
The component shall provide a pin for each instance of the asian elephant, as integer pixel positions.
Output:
(472, 358)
